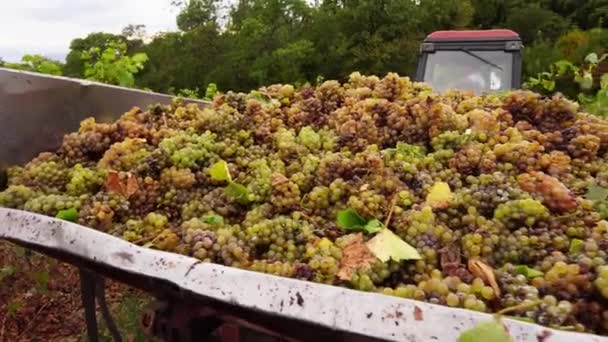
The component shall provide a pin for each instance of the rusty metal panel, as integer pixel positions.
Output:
(369, 314)
(37, 110)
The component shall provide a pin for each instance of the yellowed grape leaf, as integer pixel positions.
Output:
(355, 256)
(219, 171)
(481, 270)
(440, 196)
(386, 245)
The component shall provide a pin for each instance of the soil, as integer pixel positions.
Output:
(40, 298)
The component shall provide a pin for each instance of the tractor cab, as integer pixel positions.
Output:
(485, 61)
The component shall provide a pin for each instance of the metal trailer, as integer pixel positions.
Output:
(194, 299)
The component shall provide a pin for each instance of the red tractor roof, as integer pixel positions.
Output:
(498, 34)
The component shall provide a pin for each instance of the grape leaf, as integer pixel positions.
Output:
(386, 245)
(373, 226)
(596, 193)
(124, 187)
(349, 219)
(585, 81)
(493, 331)
(482, 270)
(527, 271)
(238, 192)
(576, 245)
(68, 215)
(219, 171)
(132, 186)
(592, 58)
(355, 256)
(213, 219)
(548, 84)
(440, 195)
(604, 81)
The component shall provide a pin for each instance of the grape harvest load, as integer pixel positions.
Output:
(377, 184)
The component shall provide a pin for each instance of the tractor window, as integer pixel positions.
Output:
(476, 70)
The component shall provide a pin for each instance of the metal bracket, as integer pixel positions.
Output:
(92, 287)
(180, 321)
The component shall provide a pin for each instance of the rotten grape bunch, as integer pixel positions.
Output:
(378, 184)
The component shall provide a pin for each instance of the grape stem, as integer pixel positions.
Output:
(146, 239)
(522, 306)
(390, 211)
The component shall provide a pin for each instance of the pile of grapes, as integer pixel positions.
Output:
(377, 184)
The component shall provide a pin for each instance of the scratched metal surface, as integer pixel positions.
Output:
(368, 314)
(37, 110)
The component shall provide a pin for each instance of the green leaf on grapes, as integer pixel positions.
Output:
(548, 84)
(373, 226)
(604, 81)
(596, 193)
(238, 192)
(592, 58)
(213, 219)
(576, 245)
(349, 219)
(219, 171)
(527, 271)
(493, 331)
(68, 215)
(386, 245)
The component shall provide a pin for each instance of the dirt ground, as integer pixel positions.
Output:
(40, 300)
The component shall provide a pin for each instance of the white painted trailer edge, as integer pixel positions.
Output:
(368, 314)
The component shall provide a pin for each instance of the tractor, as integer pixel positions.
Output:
(483, 61)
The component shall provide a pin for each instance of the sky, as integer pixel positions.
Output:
(47, 27)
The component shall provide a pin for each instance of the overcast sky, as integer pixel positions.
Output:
(48, 26)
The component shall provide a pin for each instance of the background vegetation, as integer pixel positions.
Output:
(256, 42)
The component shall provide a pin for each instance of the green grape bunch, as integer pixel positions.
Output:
(377, 184)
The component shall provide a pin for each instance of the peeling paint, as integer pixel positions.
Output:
(418, 313)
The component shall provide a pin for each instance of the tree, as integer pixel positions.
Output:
(37, 63)
(487, 14)
(134, 32)
(445, 14)
(74, 66)
(196, 13)
(112, 65)
(260, 36)
(366, 35)
(256, 42)
(586, 14)
(546, 24)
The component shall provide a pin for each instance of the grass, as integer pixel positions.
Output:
(126, 315)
